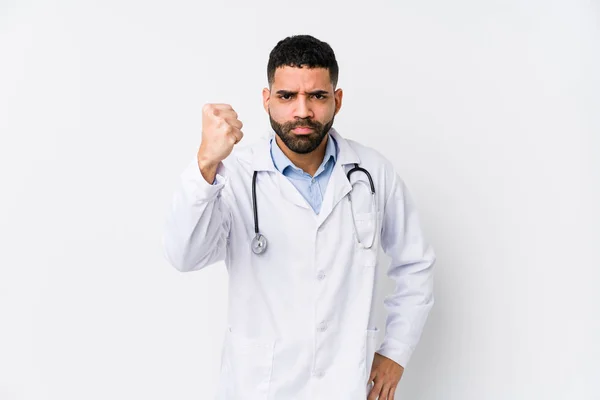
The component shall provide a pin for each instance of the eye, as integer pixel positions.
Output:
(285, 96)
(319, 96)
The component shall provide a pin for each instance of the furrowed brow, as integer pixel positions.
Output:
(289, 92)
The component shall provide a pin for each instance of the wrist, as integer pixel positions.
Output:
(207, 164)
(208, 168)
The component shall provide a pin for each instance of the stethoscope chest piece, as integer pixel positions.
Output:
(259, 244)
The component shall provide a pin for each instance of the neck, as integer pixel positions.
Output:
(308, 162)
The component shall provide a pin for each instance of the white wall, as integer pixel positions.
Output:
(489, 110)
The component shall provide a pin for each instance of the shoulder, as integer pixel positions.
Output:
(386, 177)
(372, 159)
(246, 154)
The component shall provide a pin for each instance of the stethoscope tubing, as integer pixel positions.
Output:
(259, 243)
(254, 202)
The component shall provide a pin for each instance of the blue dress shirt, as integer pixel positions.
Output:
(311, 188)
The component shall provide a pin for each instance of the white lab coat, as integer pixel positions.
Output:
(300, 314)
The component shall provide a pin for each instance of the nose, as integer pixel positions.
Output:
(303, 109)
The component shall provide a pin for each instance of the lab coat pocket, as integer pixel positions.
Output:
(248, 365)
(370, 346)
(366, 229)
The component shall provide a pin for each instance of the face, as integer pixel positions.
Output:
(302, 97)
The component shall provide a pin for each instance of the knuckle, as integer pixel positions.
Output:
(206, 108)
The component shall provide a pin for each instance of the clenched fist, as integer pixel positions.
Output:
(221, 130)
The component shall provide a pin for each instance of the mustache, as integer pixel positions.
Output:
(303, 123)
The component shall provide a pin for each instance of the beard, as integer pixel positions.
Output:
(301, 144)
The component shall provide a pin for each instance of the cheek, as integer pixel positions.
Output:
(325, 114)
(279, 114)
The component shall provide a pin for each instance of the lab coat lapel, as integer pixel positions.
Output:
(289, 192)
(338, 186)
(262, 161)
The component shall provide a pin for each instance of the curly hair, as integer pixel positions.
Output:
(299, 50)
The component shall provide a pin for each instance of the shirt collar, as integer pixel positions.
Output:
(260, 159)
(281, 161)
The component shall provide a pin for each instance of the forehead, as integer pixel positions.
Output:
(294, 78)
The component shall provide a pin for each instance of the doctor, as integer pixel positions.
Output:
(300, 237)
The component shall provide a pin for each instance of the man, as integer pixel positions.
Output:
(300, 241)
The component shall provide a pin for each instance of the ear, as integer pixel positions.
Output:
(338, 94)
(266, 94)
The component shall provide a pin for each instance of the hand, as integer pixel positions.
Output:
(221, 130)
(386, 374)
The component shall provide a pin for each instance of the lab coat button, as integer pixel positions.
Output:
(318, 373)
(321, 275)
(322, 326)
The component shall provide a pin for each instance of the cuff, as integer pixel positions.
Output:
(398, 352)
(193, 180)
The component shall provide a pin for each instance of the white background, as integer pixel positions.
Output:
(488, 109)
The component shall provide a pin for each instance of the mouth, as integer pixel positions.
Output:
(303, 129)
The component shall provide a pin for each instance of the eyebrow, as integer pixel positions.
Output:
(284, 92)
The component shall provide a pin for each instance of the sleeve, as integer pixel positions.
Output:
(198, 222)
(411, 268)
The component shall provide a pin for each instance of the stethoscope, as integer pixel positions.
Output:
(259, 242)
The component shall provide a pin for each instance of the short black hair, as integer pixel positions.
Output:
(299, 50)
